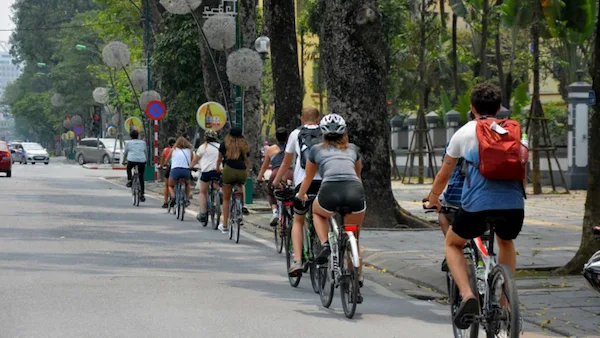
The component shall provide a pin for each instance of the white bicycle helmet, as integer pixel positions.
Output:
(591, 270)
(332, 124)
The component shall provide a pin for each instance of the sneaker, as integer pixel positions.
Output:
(165, 205)
(172, 202)
(445, 266)
(245, 211)
(323, 255)
(202, 217)
(128, 185)
(142, 198)
(359, 299)
(187, 203)
(223, 229)
(274, 218)
(296, 269)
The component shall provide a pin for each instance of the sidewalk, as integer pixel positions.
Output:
(550, 237)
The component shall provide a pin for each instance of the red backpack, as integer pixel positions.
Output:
(500, 156)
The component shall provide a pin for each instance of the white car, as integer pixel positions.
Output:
(34, 152)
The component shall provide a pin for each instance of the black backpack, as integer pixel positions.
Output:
(307, 138)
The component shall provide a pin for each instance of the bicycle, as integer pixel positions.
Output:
(179, 199)
(310, 245)
(492, 277)
(213, 203)
(235, 214)
(285, 202)
(136, 190)
(342, 269)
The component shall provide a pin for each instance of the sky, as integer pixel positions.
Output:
(5, 21)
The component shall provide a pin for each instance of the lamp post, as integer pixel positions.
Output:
(262, 46)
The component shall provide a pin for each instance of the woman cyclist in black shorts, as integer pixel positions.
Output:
(339, 164)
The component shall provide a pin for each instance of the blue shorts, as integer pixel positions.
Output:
(180, 173)
(209, 175)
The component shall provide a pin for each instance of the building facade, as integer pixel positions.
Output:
(8, 71)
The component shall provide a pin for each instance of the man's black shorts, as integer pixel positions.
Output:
(507, 224)
(301, 207)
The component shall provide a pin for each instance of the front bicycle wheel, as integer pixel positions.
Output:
(278, 232)
(216, 210)
(455, 301)
(289, 257)
(314, 269)
(182, 204)
(326, 284)
(504, 303)
(348, 282)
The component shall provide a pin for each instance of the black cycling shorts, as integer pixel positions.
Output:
(301, 207)
(507, 224)
(350, 194)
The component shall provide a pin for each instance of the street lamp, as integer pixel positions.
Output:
(262, 45)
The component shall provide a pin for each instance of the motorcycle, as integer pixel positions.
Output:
(591, 270)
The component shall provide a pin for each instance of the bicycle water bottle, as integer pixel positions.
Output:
(524, 149)
(480, 273)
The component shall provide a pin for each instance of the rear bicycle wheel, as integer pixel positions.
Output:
(238, 220)
(349, 281)
(456, 299)
(504, 298)
(182, 204)
(326, 285)
(289, 257)
(278, 234)
(230, 221)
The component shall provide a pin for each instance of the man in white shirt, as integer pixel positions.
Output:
(298, 145)
(135, 153)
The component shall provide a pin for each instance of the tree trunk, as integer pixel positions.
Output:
(422, 93)
(443, 16)
(455, 59)
(591, 217)
(484, 36)
(284, 53)
(252, 130)
(536, 105)
(352, 50)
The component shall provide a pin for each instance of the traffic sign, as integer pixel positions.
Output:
(78, 130)
(156, 110)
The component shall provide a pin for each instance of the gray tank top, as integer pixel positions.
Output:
(335, 164)
(277, 159)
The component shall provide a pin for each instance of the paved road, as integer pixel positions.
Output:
(77, 260)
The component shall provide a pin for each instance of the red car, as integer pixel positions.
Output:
(5, 159)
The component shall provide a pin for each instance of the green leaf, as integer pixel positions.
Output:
(520, 99)
(445, 106)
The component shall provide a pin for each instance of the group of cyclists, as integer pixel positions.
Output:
(487, 186)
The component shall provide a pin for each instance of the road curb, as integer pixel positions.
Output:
(92, 167)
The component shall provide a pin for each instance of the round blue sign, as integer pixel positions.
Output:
(156, 110)
(78, 130)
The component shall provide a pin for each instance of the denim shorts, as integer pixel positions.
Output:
(180, 173)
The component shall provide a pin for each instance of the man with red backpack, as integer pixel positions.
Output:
(493, 191)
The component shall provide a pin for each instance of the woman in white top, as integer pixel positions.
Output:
(181, 157)
(207, 155)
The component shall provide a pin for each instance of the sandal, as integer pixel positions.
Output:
(466, 313)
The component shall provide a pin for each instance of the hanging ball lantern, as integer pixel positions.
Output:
(220, 32)
(100, 95)
(180, 6)
(148, 96)
(245, 68)
(116, 54)
(57, 100)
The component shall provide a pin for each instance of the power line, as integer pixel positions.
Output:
(66, 26)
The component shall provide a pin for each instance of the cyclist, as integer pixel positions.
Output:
(181, 157)
(484, 201)
(274, 157)
(234, 154)
(207, 155)
(166, 166)
(135, 153)
(339, 164)
(299, 144)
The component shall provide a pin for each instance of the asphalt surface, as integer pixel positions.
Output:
(78, 260)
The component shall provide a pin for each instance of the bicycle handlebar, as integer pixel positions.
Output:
(445, 208)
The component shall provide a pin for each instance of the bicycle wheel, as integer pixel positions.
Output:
(314, 270)
(289, 257)
(504, 300)
(278, 232)
(133, 191)
(349, 281)
(182, 204)
(326, 285)
(455, 301)
(238, 220)
(231, 215)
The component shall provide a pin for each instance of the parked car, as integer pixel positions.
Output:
(98, 150)
(5, 159)
(34, 152)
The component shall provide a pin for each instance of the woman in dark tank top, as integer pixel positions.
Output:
(274, 158)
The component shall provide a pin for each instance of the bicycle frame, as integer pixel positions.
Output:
(348, 231)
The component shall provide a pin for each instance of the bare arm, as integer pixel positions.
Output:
(265, 166)
(219, 161)
(358, 167)
(162, 159)
(311, 171)
(441, 180)
(285, 166)
(196, 159)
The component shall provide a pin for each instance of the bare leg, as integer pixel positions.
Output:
(188, 189)
(506, 254)
(444, 223)
(458, 264)
(172, 187)
(166, 191)
(226, 202)
(298, 236)
(320, 217)
(203, 194)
